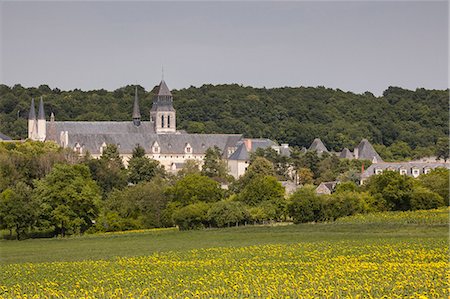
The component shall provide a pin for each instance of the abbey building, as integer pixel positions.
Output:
(158, 136)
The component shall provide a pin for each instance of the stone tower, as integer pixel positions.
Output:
(32, 123)
(41, 122)
(162, 113)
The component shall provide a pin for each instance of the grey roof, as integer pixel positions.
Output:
(4, 137)
(367, 152)
(92, 135)
(32, 114)
(241, 153)
(346, 154)
(136, 110)
(261, 143)
(102, 127)
(163, 90)
(41, 113)
(317, 145)
(163, 100)
(408, 166)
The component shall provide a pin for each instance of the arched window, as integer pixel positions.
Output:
(168, 121)
(162, 121)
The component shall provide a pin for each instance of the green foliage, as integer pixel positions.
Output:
(194, 188)
(190, 167)
(135, 207)
(225, 213)
(346, 203)
(69, 198)
(213, 165)
(281, 163)
(305, 205)
(192, 216)
(437, 180)
(18, 209)
(442, 148)
(143, 169)
(424, 199)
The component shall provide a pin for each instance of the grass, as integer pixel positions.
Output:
(107, 246)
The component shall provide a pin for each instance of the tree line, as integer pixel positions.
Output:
(403, 124)
(46, 191)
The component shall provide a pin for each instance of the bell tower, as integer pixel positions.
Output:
(162, 113)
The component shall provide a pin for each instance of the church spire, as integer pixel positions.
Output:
(136, 110)
(41, 113)
(32, 115)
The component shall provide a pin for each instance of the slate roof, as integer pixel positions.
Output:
(136, 110)
(163, 90)
(241, 153)
(317, 145)
(4, 137)
(346, 154)
(41, 113)
(32, 114)
(367, 152)
(92, 135)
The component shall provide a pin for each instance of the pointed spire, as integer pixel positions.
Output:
(136, 109)
(32, 114)
(52, 117)
(163, 90)
(41, 113)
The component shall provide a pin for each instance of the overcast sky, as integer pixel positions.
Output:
(355, 46)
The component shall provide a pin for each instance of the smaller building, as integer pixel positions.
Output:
(413, 169)
(326, 187)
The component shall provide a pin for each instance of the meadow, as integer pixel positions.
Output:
(390, 255)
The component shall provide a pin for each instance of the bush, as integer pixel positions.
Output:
(346, 204)
(305, 205)
(193, 216)
(424, 199)
(226, 213)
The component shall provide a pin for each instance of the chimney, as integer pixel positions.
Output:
(248, 144)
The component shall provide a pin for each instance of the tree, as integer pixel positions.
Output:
(424, 199)
(190, 167)
(264, 190)
(192, 216)
(305, 205)
(437, 180)
(194, 188)
(213, 164)
(141, 168)
(108, 171)
(442, 149)
(225, 213)
(18, 209)
(259, 167)
(138, 206)
(69, 197)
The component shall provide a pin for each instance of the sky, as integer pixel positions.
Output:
(355, 46)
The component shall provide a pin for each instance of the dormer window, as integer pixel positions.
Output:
(155, 148)
(378, 171)
(187, 148)
(102, 147)
(426, 170)
(415, 172)
(403, 171)
(78, 149)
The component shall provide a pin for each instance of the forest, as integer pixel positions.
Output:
(403, 124)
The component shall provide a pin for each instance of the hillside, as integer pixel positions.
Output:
(287, 115)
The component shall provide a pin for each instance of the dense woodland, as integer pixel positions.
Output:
(403, 124)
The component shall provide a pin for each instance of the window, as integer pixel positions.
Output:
(415, 172)
(403, 171)
(162, 121)
(378, 171)
(426, 170)
(168, 121)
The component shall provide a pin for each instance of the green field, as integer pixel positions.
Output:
(404, 254)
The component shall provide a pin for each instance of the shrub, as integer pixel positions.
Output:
(424, 199)
(193, 216)
(305, 205)
(226, 213)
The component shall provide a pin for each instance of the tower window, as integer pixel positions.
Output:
(168, 121)
(162, 121)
